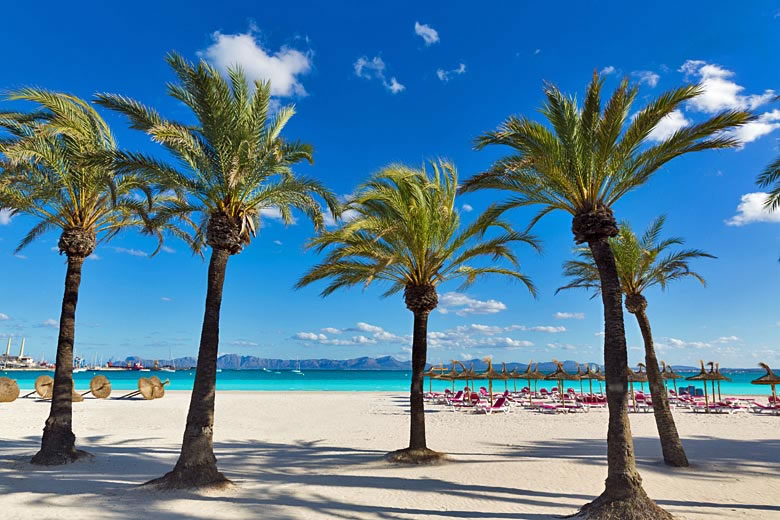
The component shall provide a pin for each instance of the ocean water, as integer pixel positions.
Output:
(346, 380)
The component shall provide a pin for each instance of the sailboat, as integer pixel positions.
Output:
(172, 366)
(297, 369)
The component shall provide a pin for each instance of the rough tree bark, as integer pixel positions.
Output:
(421, 300)
(58, 445)
(197, 464)
(673, 452)
(623, 497)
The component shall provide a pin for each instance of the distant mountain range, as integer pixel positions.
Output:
(236, 362)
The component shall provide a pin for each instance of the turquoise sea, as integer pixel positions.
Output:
(341, 380)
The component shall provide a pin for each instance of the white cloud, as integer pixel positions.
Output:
(365, 327)
(606, 71)
(762, 125)
(375, 69)
(310, 336)
(648, 77)
(5, 217)
(427, 33)
(467, 208)
(547, 328)
(508, 343)
(751, 209)
(720, 92)
(93, 256)
(570, 315)
(282, 68)
(50, 323)
(727, 339)
(274, 214)
(130, 251)
(166, 249)
(667, 126)
(4, 317)
(166, 299)
(445, 75)
(331, 330)
(537, 51)
(243, 343)
(464, 305)
(278, 242)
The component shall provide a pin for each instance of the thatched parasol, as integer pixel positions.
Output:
(703, 376)
(99, 386)
(768, 379)
(158, 387)
(716, 376)
(506, 376)
(433, 374)
(9, 390)
(560, 375)
(146, 388)
(668, 373)
(636, 377)
(75, 396)
(490, 375)
(43, 386)
(590, 375)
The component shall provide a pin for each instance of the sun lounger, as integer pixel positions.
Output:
(501, 405)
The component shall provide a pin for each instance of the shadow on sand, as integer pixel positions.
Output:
(265, 472)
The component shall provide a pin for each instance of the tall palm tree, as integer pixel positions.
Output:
(235, 165)
(584, 162)
(407, 233)
(641, 264)
(47, 174)
(770, 178)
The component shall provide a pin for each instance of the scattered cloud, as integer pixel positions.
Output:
(166, 299)
(427, 33)
(274, 214)
(5, 216)
(50, 323)
(346, 216)
(310, 336)
(166, 249)
(331, 330)
(751, 209)
(282, 68)
(720, 92)
(647, 77)
(547, 328)
(20, 257)
(467, 208)
(759, 127)
(606, 71)
(373, 335)
(278, 242)
(4, 317)
(93, 256)
(667, 126)
(445, 75)
(570, 315)
(537, 51)
(243, 343)
(375, 69)
(130, 251)
(463, 305)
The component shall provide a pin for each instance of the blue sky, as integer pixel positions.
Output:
(374, 85)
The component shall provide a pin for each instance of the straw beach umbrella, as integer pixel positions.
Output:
(433, 374)
(768, 379)
(43, 386)
(702, 376)
(635, 377)
(99, 386)
(668, 373)
(716, 376)
(9, 390)
(490, 375)
(560, 375)
(590, 375)
(531, 375)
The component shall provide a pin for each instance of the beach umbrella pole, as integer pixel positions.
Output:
(706, 399)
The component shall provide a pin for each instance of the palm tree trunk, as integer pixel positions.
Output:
(58, 443)
(623, 496)
(419, 356)
(197, 465)
(674, 454)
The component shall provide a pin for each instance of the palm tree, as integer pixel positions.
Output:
(640, 265)
(582, 164)
(235, 165)
(46, 173)
(770, 178)
(407, 233)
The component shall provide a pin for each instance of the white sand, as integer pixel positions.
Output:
(319, 455)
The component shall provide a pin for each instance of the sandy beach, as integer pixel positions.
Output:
(319, 455)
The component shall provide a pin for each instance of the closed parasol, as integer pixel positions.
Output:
(9, 390)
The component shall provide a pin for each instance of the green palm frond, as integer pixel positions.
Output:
(233, 162)
(406, 231)
(53, 167)
(640, 261)
(588, 156)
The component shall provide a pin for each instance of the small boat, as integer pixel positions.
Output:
(144, 370)
(297, 369)
(80, 369)
(219, 370)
